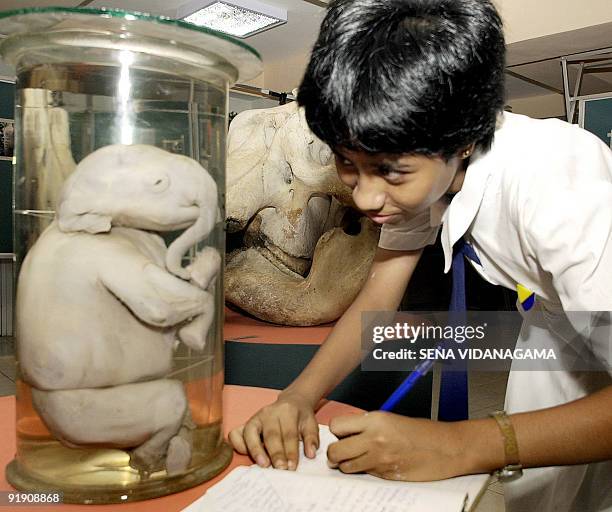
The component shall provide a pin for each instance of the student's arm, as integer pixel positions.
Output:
(401, 448)
(282, 423)
(574, 433)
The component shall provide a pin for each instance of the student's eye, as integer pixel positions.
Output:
(392, 174)
(343, 162)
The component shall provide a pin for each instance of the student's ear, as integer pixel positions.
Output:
(467, 152)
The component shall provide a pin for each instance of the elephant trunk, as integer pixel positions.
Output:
(209, 215)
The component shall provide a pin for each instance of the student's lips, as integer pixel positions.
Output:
(383, 219)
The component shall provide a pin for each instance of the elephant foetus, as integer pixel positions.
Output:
(101, 302)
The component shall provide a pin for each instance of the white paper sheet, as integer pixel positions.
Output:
(315, 487)
(471, 485)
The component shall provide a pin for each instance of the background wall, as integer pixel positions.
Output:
(5, 70)
(528, 19)
(286, 74)
(541, 107)
(7, 95)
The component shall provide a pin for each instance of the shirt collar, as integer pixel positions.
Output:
(464, 206)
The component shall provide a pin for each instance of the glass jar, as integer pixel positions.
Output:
(119, 200)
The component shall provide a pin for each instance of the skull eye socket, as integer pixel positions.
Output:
(320, 153)
(350, 223)
(325, 155)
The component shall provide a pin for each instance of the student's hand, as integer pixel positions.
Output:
(396, 447)
(272, 435)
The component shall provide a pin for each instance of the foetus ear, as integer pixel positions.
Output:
(88, 222)
(74, 215)
(70, 220)
(77, 211)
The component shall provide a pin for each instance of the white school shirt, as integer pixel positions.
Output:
(537, 208)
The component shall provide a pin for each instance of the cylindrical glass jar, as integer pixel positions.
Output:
(119, 199)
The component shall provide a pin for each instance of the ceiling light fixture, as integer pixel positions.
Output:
(240, 18)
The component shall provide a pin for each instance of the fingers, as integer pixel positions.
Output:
(309, 429)
(236, 437)
(353, 458)
(280, 442)
(343, 426)
(273, 440)
(272, 436)
(361, 464)
(252, 438)
(367, 463)
(346, 450)
(282, 438)
(290, 439)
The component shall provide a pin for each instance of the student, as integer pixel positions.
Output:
(409, 95)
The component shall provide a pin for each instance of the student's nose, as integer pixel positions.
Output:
(368, 195)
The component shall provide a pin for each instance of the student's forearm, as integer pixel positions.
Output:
(341, 352)
(573, 433)
(334, 360)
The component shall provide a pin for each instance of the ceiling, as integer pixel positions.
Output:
(297, 35)
(536, 59)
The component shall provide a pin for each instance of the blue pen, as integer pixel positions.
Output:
(407, 385)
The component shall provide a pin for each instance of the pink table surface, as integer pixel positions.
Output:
(250, 330)
(239, 403)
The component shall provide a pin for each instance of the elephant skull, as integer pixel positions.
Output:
(301, 252)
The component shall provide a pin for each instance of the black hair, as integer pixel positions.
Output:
(406, 76)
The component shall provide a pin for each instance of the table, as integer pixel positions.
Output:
(272, 356)
(239, 403)
(245, 329)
